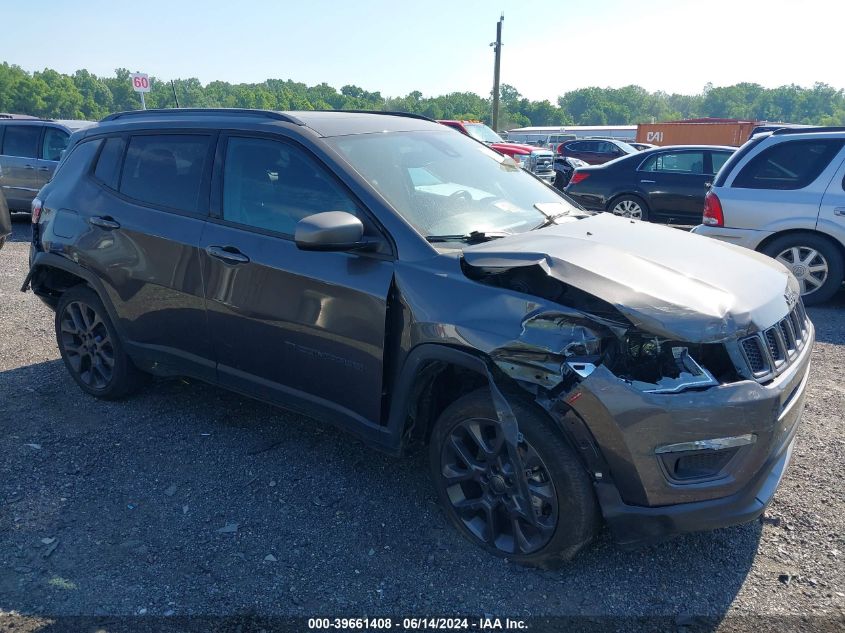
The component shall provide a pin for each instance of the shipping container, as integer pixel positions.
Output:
(696, 132)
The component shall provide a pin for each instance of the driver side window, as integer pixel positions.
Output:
(272, 185)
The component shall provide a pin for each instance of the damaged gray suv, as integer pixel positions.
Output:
(416, 288)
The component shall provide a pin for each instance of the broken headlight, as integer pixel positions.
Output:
(656, 365)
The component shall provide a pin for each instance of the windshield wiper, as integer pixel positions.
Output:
(475, 237)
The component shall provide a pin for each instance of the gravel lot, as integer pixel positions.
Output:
(187, 500)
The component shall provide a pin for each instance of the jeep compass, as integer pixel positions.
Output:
(416, 288)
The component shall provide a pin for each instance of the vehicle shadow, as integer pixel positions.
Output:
(21, 228)
(192, 500)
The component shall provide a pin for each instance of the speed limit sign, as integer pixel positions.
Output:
(140, 82)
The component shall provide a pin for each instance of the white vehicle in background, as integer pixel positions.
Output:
(540, 137)
(552, 137)
(783, 194)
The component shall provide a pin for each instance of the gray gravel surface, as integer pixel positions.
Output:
(186, 499)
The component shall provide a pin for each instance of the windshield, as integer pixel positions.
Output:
(481, 132)
(445, 184)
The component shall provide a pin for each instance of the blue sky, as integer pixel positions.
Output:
(436, 46)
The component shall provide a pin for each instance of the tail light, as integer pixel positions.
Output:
(36, 210)
(559, 149)
(578, 176)
(713, 215)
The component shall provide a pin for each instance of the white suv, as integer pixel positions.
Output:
(783, 194)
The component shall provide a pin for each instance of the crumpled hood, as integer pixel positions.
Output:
(665, 281)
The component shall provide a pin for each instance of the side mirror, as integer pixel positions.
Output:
(330, 231)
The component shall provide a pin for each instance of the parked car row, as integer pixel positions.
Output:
(782, 194)
(537, 160)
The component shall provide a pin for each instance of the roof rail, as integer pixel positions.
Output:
(246, 112)
(409, 115)
(806, 130)
(7, 116)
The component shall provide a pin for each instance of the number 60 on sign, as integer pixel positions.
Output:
(140, 82)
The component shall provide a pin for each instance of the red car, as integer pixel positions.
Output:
(595, 151)
(538, 161)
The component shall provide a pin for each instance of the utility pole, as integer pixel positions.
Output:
(497, 49)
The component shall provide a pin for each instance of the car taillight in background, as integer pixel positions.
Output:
(36, 210)
(713, 215)
(578, 176)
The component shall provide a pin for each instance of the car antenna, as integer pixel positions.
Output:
(175, 98)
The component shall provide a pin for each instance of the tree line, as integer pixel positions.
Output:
(84, 95)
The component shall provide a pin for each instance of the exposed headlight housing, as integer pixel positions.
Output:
(655, 365)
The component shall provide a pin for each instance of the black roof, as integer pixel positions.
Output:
(323, 122)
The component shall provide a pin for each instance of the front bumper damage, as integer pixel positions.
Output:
(619, 431)
(610, 355)
(640, 500)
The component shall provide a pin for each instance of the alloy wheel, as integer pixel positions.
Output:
(483, 488)
(628, 209)
(808, 265)
(87, 344)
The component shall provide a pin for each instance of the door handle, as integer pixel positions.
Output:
(838, 210)
(43, 169)
(28, 167)
(648, 182)
(104, 222)
(228, 254)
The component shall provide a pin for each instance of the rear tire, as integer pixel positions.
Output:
(814, 260)
(629, 206)
(561, 180)
(475, 482)
(91, 348)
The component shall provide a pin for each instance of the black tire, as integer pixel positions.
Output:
(91, 348)
(827, 254)
(643, 214)
(561, 180)
(567, 507)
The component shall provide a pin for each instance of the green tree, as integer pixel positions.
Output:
(53, 94)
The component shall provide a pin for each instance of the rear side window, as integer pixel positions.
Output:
(165, 170)
(108, 165)
(74, 165)
(719, 159)
(21, 140)
(788, 165)
(272, 185)
(677, 162)
(54, 143)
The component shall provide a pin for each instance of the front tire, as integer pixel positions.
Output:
(90, 346)
(478, 489)
(632, 207)
(815, 262)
